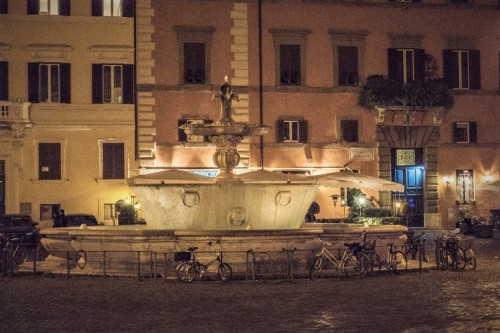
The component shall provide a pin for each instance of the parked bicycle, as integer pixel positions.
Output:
(455, 252)
(14, 249)
(465, 245)
(191, 269)
(394, 262)
(354, 265)
(415, 246)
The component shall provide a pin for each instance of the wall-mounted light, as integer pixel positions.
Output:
(447, 180)
(488, 178)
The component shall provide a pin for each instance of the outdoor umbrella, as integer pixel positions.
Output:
(263, 176)
(489, 186)
(170, 177)
(355, 180)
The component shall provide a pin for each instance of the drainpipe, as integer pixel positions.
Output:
(261, 100)
(136, 116)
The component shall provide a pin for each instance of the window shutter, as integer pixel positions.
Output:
(303, 131)
(394, 72)
(475, 69)
(4, 8)
(33, 7)
(4, 81)
(419, 64)
(97, 8)
(33, 85)
(454, 132)
(450, 68)
(182, 136)
(65, 83)
(473, 132)
(96, 84)
(49, 161)
(279, 131)
(113, 161)
(128, 8)
(128, 84)
(64, 7)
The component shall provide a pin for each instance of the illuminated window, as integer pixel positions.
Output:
(49, 7)
(124, 8)
(406, 65)
(461, 69)
(110, 212)
(290, 131)
(112, 84)
(49, 83)
(465, 186)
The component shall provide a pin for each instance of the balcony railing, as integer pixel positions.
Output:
(14, 112)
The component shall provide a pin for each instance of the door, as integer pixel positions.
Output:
(412, 177)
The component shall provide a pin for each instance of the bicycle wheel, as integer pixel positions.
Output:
(186, 272)
(225, 272)
(398, 258)
(375, 264)
(470, 259)
(20, 255)
(443, 259)
(460, 258)
(316, 267)
(356, 266)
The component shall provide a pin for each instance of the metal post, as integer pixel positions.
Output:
(104, 263)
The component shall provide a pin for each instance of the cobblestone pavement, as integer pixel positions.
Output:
(435, 301)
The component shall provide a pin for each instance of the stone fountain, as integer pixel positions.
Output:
(258, 211)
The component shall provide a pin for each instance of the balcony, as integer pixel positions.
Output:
(14, 116)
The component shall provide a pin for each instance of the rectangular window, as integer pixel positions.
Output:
(461, 69)
(464, 132)
(49, 83)
(194, 63)
(49, 161)
(406, 65)
(112, 84)
(49, 7)
(113, 161)
(4, 6)
(124, 8)
(49, 211)
(4, 81)
(465, 186)
(348, 65)
(290, 131)
(349, 130)
(110, 212)
(290, 64)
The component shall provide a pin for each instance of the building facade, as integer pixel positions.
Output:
(299, 65)
(67, 99)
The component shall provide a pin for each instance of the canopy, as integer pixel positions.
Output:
(263, 176)
(170, 177)
(489, 186)
(355, 180)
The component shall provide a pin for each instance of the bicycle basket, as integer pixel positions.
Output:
(182, 256)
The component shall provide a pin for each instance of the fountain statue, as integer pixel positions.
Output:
(226, 202)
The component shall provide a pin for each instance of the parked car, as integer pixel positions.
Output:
(19, 226)
(76, 220)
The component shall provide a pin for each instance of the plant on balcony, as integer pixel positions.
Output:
(380, 92)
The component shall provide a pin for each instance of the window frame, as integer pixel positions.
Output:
(398, 57)
(470, 129)
(290, 37)
(127, 8)
(62, 160)
(352, 133)
(196, 35)
(128, 77)
(63, 7)
(348, 38)
(465, 186)
(301, 131)
(453, 68)
(34, 82)
(118, 172)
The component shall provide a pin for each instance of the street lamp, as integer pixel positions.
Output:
(335, 198)
(361, 201)
(343, 204)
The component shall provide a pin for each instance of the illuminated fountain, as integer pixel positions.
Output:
(256, 200)
(258, 210)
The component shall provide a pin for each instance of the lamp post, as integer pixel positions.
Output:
(335, 198)
(343, 204)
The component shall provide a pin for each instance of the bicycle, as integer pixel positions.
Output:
(189, 270)
(354, 265)
(448, 252)
(469, 259)
(414, 247)
(393, 259)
